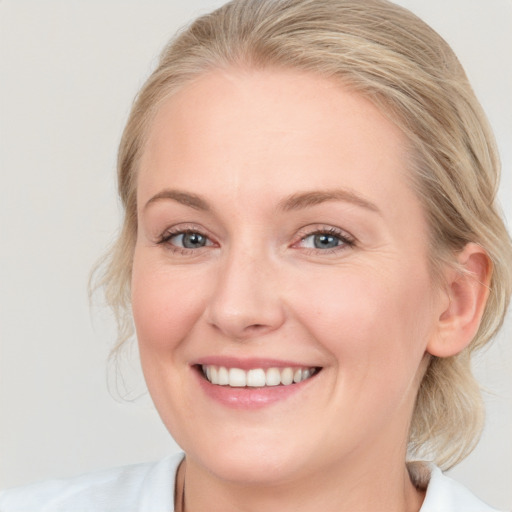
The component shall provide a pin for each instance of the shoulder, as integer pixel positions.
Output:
(446, 495)
(145, 487)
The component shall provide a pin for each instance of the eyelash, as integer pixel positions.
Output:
(346, 240)
(165, 239)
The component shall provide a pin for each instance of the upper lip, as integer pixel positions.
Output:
(249, 363)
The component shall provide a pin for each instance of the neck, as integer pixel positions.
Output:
(349, 488)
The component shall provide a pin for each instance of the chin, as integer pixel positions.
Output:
(250, 461)
(251, 467)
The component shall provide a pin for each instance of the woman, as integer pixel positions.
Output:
(312, 252)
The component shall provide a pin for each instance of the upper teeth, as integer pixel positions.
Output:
(256, 377)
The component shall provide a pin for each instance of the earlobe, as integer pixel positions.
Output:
(467, 288)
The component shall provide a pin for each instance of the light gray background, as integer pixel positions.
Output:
(68, 72)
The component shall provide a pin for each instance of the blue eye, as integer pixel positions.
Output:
(189, 240)
(183, 239)
(324, 240)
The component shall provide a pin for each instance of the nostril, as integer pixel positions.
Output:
(255, 326)
(244, 317)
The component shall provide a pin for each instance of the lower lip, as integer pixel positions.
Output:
(250, 398)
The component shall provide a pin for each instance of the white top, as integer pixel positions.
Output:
(150, 488)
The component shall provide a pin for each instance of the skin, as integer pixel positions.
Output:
(366, 311)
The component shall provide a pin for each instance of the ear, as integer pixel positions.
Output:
(466, 289)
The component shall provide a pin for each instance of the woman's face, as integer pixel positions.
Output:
(279, 239)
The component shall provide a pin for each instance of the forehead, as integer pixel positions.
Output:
(237, 131)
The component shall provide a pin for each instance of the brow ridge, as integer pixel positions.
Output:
(314, 197)
(185, 198)
(296, 201)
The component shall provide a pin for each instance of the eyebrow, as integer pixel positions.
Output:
(185, 198)
(293, 202)
(312, 198)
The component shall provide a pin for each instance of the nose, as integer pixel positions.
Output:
(246, 301)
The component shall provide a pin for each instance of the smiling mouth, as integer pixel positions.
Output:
(256, 377)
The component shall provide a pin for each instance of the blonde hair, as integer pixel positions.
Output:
(393, 58)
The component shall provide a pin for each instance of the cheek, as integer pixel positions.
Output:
(165, 305)
(370, 319)
(164, 310)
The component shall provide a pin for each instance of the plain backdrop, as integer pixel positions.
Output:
(68, 72)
